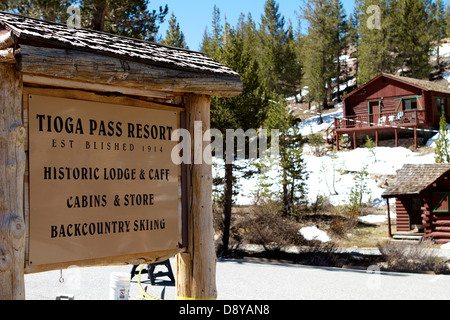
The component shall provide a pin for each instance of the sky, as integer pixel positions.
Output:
(195, 15)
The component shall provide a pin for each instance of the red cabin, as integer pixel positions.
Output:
(393, 104)
(422, 201)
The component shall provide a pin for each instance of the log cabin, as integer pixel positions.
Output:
(421, 193)
(392, 104)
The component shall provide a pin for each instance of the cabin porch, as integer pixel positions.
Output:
(375, 123)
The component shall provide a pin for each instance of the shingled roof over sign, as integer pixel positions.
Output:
(411, 179)
(63, 36)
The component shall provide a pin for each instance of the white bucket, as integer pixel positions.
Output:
(119, 286)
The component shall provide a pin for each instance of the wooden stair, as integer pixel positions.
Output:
(410, 236)
(331, 134)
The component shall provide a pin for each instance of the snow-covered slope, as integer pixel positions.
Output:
(333, 176)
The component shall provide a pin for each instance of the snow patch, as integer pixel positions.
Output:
(373, 218)
(332, 176)
(314, 233)
(446, 246)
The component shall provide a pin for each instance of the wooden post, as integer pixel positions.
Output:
(415, 138)
(337, 142)
(396, 137)
(196, 268)
(389, 218)
(12, 154)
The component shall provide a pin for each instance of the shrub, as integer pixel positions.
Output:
(360, 190)
(405, 257)
(318, 254)
(266, 226)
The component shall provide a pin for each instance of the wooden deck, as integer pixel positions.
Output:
(375, 123)
(379, 121)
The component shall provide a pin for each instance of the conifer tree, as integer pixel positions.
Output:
(375, 45)
(447, 19)
(413, 39)
(130, 18)
(49, 10)
(234, 47)
(326, 38)
(174, 35)
(439, 28)
(442, 152)
(403, 39)
(212, 42)
(280, 68)
(292, 165)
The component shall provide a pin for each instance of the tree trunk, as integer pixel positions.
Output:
(12, 225)
(98, 18)
(227, 207)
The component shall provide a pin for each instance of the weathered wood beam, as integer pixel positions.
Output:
(12, 172)
(6, 39)
(71, 84)
(92, 68)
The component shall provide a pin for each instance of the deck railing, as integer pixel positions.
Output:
(385, 119)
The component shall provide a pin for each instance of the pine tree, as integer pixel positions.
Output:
(234, 47)
(375, 45)
(212, 42)
(130, 18)
(447, 18)
(280, 68)
(49, 10)
(439, 28)
(413, 39)
(442, 152)
(174, 35)
(359, 190)
(292, 165)
(326, 38)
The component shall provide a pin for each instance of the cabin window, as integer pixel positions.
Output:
(440, 103)
(410, 104)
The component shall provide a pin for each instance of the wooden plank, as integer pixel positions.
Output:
(440, 235)
(114, 98)
(71, 84)
(92, 68)
(440, 223)
(151, 257)
(12, 154)
(442, 228)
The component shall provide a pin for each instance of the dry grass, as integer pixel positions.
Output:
(420, 257)
(263, 225)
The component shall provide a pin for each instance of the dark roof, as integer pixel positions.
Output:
(422, 84)
(61, 35)
(411, 179)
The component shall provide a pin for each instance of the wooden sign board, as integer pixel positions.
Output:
(102, 182)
